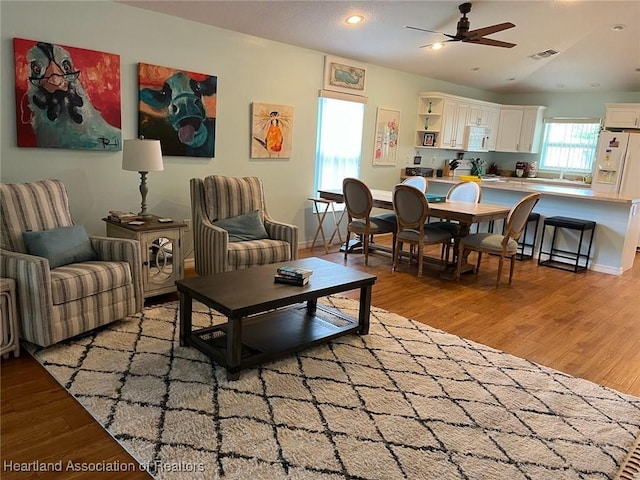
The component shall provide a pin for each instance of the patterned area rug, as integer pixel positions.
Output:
(405, 402)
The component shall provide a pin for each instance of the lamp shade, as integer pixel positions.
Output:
(140, 155)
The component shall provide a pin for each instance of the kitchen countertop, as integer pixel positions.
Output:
(564, 190)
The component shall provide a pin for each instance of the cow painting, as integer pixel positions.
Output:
(55, 108)
(178, 108)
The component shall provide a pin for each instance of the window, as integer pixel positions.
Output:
(569, 144)
(340, 124)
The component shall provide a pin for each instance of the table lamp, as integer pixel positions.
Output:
(142, 156)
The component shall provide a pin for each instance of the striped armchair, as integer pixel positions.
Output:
(59, 303)
(215, 198)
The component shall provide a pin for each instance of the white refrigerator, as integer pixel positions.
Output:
(617, 165)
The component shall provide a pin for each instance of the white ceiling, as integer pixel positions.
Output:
(592, 57)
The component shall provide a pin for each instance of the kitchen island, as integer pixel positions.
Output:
(617, 216)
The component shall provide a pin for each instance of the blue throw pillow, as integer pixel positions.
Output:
(247, 226)
(62, 246)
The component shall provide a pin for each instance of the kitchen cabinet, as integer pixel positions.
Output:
(622, 115)
(520, 129)
(486, 115)
(454, 120)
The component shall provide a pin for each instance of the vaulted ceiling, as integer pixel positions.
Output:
(597, 42)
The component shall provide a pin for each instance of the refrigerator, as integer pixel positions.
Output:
(617, 165)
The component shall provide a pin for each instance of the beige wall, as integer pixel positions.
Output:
(248, 69)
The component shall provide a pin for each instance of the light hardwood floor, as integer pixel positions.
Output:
(587, 325)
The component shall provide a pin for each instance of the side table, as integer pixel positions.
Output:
(9, 324)
(321, 214)
(161, 249)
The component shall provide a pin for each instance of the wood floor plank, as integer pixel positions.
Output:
(587, 325)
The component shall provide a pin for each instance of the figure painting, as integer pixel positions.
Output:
(178, 108)
(272, 131)
(66, 97)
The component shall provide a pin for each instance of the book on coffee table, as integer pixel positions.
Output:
(290, 280)
(294, 272)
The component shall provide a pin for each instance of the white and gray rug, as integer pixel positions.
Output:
(405, 402)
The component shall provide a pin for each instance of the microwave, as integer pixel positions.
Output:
(476, 139)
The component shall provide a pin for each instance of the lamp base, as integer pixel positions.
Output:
(145, 216)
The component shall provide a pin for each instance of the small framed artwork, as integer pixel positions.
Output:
(386, 136)
(271, 130)
(344, 76)
(429, 140)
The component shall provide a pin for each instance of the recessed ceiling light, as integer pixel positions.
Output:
(595, 85)
(560, 85)
(354, 19)
(511, 79)
(617, 28)
(437, 46)
(475, 69)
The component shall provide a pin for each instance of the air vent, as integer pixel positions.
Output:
(541, 55)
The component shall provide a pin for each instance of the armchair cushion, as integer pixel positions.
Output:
(80, 280)
(247, 226)
(61, 246)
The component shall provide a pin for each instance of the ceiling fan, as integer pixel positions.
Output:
(477, 36)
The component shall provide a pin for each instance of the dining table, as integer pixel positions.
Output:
(465, 213)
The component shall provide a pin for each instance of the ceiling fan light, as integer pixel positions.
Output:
(437, 46)
(354, 19)
(617, 28)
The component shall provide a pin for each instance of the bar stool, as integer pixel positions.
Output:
(522, 243)
(321, 214)
(573, 257)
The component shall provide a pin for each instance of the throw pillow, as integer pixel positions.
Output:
(62, 245)
(247, 226)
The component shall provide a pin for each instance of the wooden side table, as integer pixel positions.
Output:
(161, 249)
(9, 324)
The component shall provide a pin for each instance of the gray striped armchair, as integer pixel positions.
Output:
(217, 198)
(58, 303)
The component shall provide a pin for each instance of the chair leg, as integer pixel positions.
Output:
(420, 259)
(459, 262)
(478, 262)
(396, 254)
(511, 268)
(346, 245)
(500, 263)
(365, 245)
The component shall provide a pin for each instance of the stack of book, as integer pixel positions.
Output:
(292, 275)
(122, 217)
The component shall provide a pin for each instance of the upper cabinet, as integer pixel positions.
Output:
(622, 115)
(443, 118)
(520, 129)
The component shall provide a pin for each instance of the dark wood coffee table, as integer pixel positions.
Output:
(267, 320)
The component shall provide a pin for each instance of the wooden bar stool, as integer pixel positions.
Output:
(321, 214)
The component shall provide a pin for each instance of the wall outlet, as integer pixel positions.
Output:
(188, 222)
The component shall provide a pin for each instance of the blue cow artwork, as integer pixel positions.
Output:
(67, 97)
(178, 108)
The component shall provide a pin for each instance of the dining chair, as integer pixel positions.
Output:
(412, 209)
(418, 182)
(359, 203)
(460, 192)
(505, 246)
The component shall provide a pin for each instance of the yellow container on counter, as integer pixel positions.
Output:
(469, 178)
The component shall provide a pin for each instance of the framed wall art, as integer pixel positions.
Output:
(271, 130)
(178, 108)
(429, 140)
(345, 76)
(66, 97)
(386, 136)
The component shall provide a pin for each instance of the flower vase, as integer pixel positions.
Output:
(429, 108)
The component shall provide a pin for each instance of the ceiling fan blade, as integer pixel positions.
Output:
(431, 44)
(489, 41)
(483, 32)
(428, 31)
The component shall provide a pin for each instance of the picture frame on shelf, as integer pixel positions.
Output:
(429, 140)
(344, 76)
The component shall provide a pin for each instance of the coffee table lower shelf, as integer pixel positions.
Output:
(273, 335)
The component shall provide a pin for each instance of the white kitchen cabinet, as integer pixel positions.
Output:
(520, 129)
(493, 123)
(454, 120)
(622, 115)
(486, 115)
